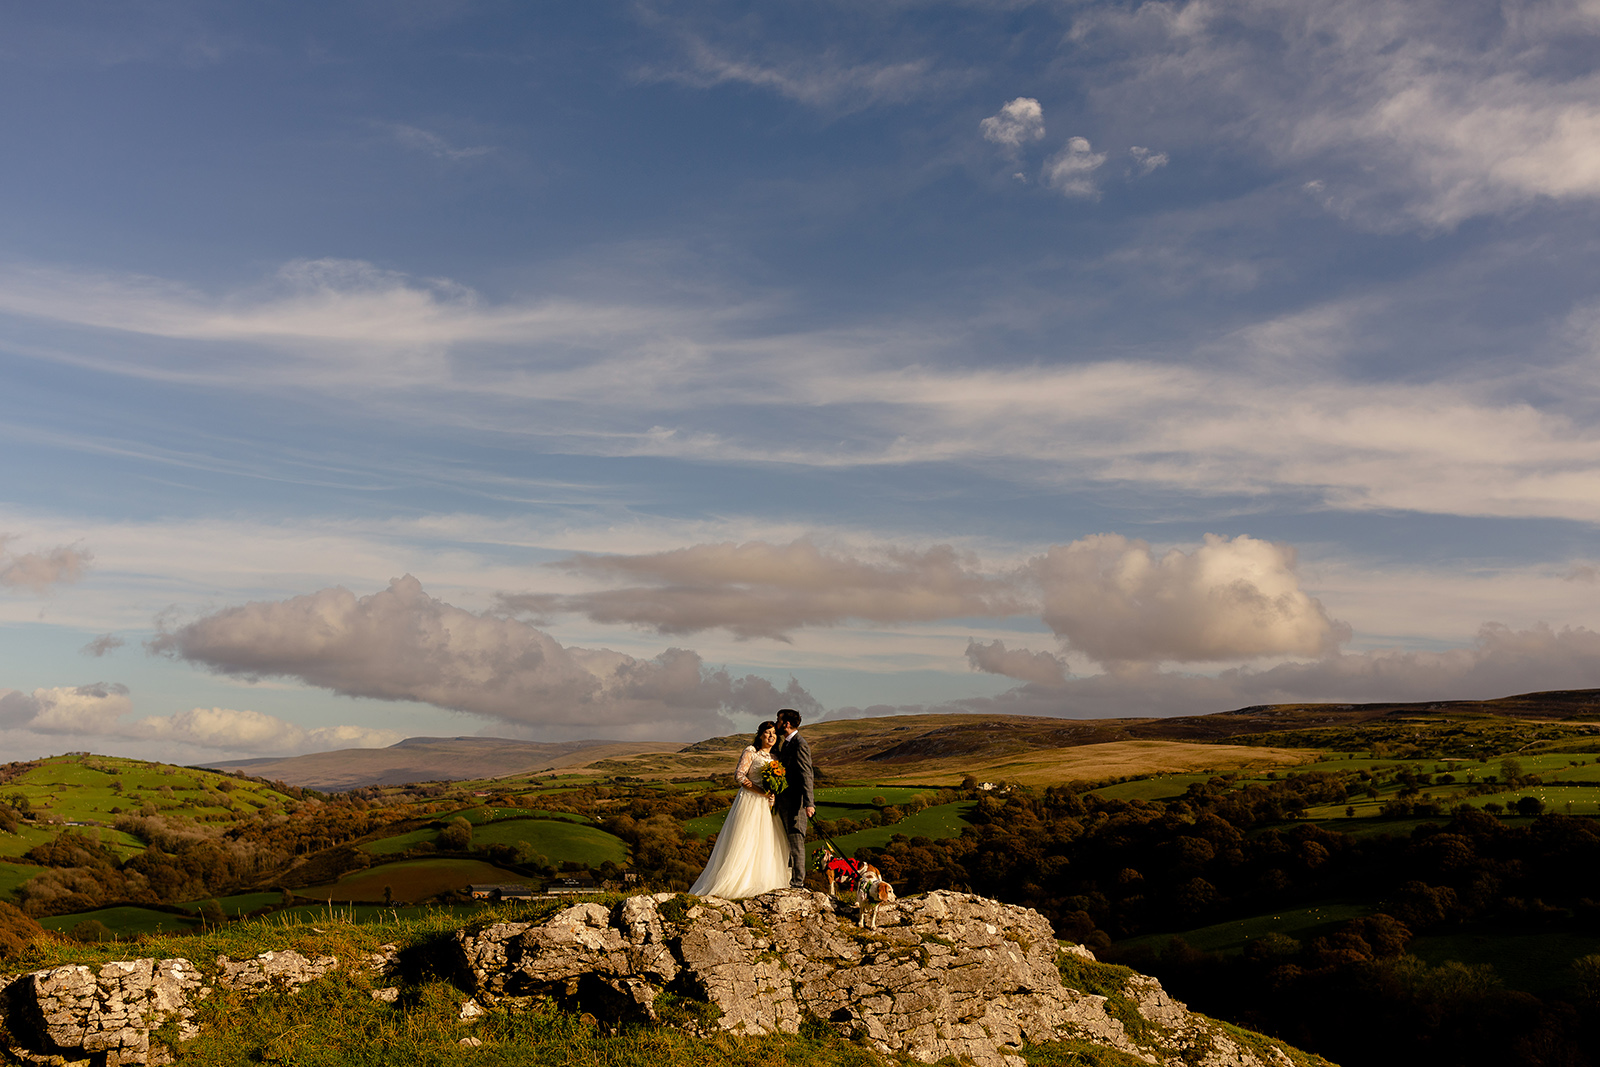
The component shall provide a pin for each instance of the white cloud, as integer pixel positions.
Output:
(41, 571)
(250, 731)
(1036, 668)
(820, 81)
(1436, 111)
(1016, 124)
(85, 709)
(1278, 415)
(1500, 662)
(1113, 599)
(421, 140)
(1148, 159)
(1070, 171)
(98, 716)
(758, 589)
(401, 644)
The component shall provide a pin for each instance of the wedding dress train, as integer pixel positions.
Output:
(751, 855)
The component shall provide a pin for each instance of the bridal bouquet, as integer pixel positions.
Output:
(775, 778)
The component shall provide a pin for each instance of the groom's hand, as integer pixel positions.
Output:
(811, 812)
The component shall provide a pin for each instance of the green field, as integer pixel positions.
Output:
(838, 802)
(411, 880)
(126, 921)
(1231, 937)
(13, 875)
(80, 788)
(239, 903)
(557, 840)
(1538, 962)
(941, 820)
(1156, 787)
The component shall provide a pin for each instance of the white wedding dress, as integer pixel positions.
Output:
(751, 855)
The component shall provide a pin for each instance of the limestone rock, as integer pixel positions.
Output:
(944, 975)
(107, 1013)
(285, 969)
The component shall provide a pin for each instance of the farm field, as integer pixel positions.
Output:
(1112, 759)
(833, 802)
(556, 839)
(13, 875)
(411, 880)
(1156, 787)
(238, 904)
(126, 922)
(1231, 937)
(1534, 962)
(941, 820)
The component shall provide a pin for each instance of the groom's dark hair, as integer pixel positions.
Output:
(790, 716)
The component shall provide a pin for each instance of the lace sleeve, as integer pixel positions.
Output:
(742, 774)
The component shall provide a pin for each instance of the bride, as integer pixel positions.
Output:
(751, 855)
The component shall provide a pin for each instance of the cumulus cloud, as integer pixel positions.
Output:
(98, 714)
(251, 731)
(1036, 668)
(1070, 171)
(1016, 124)
(86, 709)
(1112, 599)
(101, 645)
(402, 644)
(1500, 662)
(40, 571)
(759, 589)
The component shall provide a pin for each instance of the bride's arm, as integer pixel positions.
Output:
(742, 774)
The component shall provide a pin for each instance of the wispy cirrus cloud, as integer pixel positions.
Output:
(1422, 113)
(647, 380)
(418, 139)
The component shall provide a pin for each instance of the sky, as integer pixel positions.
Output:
(388, 368)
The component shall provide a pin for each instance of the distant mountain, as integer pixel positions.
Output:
(435, 759)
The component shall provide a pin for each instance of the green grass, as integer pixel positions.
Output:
(411, 880)
(1536, 962)
(1231, 937)
(239, 903)
(941, 820)
(126, 921)
(557, 840)
(1157, 787)
(13, 875)
(836, 802)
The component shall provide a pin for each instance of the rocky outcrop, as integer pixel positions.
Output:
(947, 974)
(103, 1014)
(944, 975)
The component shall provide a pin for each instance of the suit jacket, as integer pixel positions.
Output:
(795, 755)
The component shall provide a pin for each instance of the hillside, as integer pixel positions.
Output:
(1033, 750)
(434, 759)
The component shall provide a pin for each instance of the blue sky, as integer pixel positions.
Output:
(630, 370)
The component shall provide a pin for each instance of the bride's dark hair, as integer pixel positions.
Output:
(763, 728)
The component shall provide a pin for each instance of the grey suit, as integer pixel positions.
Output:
(795, 755)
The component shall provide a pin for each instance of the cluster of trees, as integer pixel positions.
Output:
(1106, 870)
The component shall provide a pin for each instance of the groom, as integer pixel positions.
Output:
(797, 803)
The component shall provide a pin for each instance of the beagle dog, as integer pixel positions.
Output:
(855, 880)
